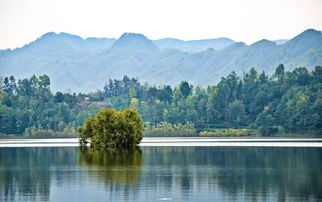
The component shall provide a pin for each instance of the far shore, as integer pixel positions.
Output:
(288, 136)
(252, 138)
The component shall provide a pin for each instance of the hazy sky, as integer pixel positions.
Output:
(22, 21)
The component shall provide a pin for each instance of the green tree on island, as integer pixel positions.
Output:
(111, 128)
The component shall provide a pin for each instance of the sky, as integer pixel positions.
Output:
(23, 21)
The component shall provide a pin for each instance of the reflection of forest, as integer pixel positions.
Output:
(113, 165)
(28, 172)
(249, 173)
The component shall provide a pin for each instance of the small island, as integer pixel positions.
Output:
(112, 128)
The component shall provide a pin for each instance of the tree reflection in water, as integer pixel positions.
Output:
(113, 166)
(242, 173)
(180, 173)
(26, 173)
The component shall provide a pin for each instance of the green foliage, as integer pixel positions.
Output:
(85, 113)
(236, 112)
(286, 102)
(28, 106)
(185, 88)
(30, 103)
(227, 133)
(165, 129)
(112, 129)
(33, 132)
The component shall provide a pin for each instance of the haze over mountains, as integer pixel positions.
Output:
(86, 64)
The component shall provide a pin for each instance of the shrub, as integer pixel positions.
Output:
(34, 132)
(111, 128)
(268, 131)
(165, 129)
(227, 133)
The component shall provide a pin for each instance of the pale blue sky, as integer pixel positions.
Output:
(22, 21)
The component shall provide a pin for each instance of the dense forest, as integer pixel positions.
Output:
(286, 102)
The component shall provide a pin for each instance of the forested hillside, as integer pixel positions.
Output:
(285, 102)
(83, 65)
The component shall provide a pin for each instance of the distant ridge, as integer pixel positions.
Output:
(78, 64)
(194, 45)
(133, 41)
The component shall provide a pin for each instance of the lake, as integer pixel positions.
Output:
(227, 172)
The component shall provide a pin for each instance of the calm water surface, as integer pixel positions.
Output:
(161, 173)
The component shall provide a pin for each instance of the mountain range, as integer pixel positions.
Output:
(83, 65)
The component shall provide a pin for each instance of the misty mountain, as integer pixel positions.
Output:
(133, 42)
(86, 64)
(280, 41)
(194, 46)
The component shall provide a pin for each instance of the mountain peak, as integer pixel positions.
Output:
(309, 34)
(263, 43)
(69, 36)
(133, 41)
(311, 31)
(53, 35)
(128, 35)
(48, 35)
(237, 45)
(308, 38)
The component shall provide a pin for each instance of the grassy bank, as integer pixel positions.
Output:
(165, 129)
(228, 133)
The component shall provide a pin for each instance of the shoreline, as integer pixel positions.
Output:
(291, 136)
(177, 141)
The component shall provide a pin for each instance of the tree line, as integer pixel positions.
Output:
(284, 102)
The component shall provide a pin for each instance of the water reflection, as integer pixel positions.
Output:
(152, 173)
(250, 174)
(26, 173)
(113, 165)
